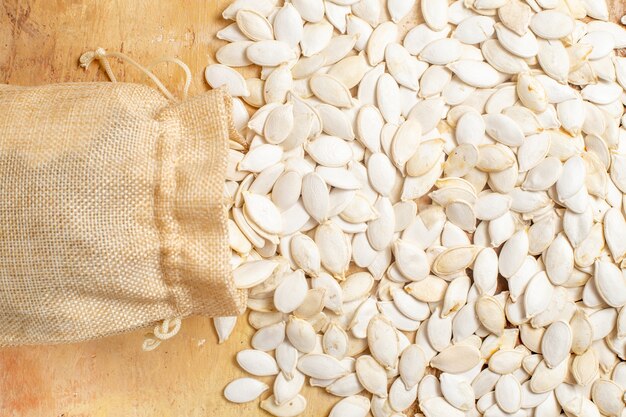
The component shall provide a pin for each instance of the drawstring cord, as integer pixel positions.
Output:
(166, 330)
(101, 56)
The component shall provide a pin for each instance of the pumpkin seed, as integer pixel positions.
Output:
(330, 90)
(476, 73)
(224, 327)
(345, 386)
(556, 343)
(218, 75)
(254, 25)
(353, 406)
(610, 283)
(508, 394)
(552, 24)
(412, 366)
(244, 390)
(523, 46)
(372, 375)
(288, 25)
(456, 359)
(257, 363)
(291, 292)
(383, 341)
(500, 58)
(290, 408)
(439, 407)
(532, 168)
(608, 396)
(270, 53)
(503, 129)
(516, 16)
(401, 398)
(321, 366)
(538, 294)
(490, 314)
(531, 93)
(285, 389)
(253, 273)
(234, 54)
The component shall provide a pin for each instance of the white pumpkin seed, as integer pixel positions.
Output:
(244, 390)
(523, 46)
(412, 366)
(476, 73)
(552, 24)
(526, 135)
(290, 408)
(253, 273)
(355, 406)
(321, 366)
(254, 25)
(234, 54)
(291, 292)
(439, 407)
(345, 386)
(456, 359)
(382, 35)
(400, 398)
(224, 327)
(218, 75)
(474, 29)
(556, 343)
(315, 37)
(457, 391)
(257, 362)
(491, 314)
(330, 90)
(285, 389)
(269, 53)
(435, 13)
(531, 93)
(383, 341)
(610, 283)
(288, 25)
(538, 294)
(372, 375)
(508, 394)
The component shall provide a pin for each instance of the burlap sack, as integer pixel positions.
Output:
(111, 214)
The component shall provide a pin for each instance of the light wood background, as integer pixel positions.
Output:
(40, 42)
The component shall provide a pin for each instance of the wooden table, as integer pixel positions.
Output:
(40, 42)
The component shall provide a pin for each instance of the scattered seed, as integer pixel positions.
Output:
(463, 181)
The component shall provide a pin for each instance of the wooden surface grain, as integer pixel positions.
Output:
(40, 42)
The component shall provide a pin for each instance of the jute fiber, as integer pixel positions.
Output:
(111, 210)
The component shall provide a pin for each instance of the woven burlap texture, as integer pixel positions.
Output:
(111, 210)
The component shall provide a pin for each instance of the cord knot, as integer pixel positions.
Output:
(88, 57)
(167, 329)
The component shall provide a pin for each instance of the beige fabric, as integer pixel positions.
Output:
(111, 212)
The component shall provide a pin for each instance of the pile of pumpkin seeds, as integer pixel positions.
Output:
(429, 218)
